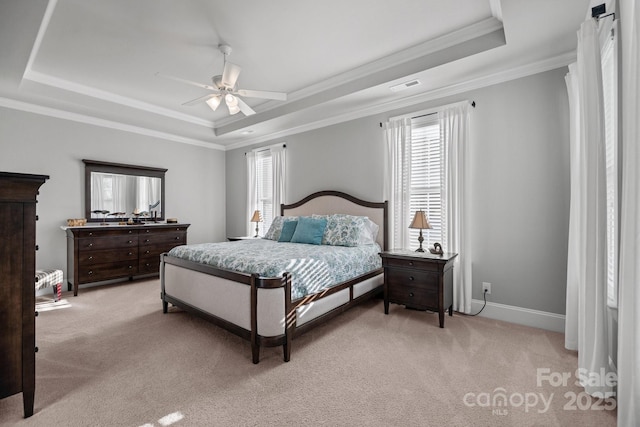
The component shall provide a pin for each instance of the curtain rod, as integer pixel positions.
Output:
(473, 104)
(266, 148)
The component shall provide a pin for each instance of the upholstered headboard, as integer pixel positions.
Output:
(332, 202)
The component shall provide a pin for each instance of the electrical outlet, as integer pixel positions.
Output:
(486, 288)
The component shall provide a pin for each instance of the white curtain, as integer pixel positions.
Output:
(454, 127)
(252, 191)
(586, 314)
(278, 162)
(629, 277)
(397, 183)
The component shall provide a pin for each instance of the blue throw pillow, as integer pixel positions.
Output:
(309, 230)
(288, 228)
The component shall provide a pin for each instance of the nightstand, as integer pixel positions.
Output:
(419, 280)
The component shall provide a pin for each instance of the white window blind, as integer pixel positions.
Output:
(610, 92)
(427, 179)
(264, 188)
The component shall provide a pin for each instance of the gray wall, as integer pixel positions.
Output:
(31, 143)
(520, 183)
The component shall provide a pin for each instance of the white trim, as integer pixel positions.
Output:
(103, 95)
(82, 118)
(369, 110)
(48, 13)
(479, 29)
(520, 315)
(48, 80)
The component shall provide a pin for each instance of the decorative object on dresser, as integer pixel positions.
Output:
(17, 292)
(96, 254)
(420, 222)
(419, 280)
(257, 218)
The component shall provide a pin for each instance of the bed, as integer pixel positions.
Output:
(271, 304)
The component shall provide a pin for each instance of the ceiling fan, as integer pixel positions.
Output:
(225, 87)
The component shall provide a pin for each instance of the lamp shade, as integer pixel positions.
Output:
(256, 217)
(420, 221)
(214, 102)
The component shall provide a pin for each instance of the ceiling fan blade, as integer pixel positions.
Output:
(246, 110)
(200, 99)
(280, 96)
(230, 75)
(178, 79)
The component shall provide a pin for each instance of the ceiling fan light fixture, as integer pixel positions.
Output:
(214, 102)
(233, 109)
(230, 100)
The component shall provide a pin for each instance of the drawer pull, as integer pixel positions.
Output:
(147, 231)
(91, 233)
(411, 294)
(177, 238)
(91, 257)
(90, 244)
(411, 278)
(147, 252)
(130, 241)
(410, 262)
(130, 267)
(146, 240)
(130, 231)
(90, 272)
(130, 253)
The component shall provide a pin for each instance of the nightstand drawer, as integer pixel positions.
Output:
(414, 296)
(400, 277)
(416, 263)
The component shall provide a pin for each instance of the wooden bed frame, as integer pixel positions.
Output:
(260, 309)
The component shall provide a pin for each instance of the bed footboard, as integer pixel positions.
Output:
(255, 308)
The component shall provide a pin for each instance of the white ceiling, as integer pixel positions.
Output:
(96, 60)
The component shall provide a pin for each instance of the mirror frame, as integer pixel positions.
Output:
(122, 169)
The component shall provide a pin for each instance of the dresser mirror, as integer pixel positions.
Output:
(117, 192)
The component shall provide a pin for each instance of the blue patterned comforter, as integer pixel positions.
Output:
(312, 267)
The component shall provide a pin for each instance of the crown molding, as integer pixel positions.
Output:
(472, 84)
(420, 50)
(83, 118)
(48, 80)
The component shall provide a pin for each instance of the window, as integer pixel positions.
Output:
(427, 180)
(266, 168)
(264, 187)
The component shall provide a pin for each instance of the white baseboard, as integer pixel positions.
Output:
(522, 316)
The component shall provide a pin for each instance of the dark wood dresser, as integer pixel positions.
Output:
(18, 194)
(98, 253)
(419, 280)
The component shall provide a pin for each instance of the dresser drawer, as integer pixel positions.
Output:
(152, 239)
(102, 256)
(177, 229)
(415, 263)
(120, 241)
(105, 232)
(112, 270)
(414, 296)
(156, 250)
(398, 277)
(149, 265)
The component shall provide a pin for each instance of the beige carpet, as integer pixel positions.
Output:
(109, 357)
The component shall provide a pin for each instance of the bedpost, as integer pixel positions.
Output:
(255, 345)
(290, 314)
(165, 304)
